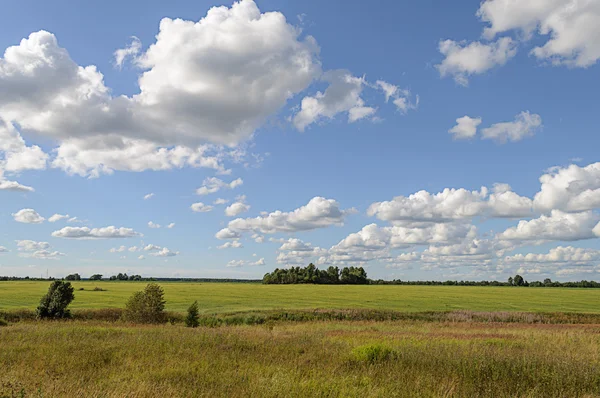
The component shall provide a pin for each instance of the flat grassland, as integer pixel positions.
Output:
(325, 359)
(232, 297)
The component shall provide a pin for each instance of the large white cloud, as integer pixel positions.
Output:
(31, 245)
(557, 226)
(571, 28)
(236, 208)
(560, 254)
(466, 127)
(28, 216)
(110, 232)
(524, 125)
(571, 188)
(317, 213)
(462, 59)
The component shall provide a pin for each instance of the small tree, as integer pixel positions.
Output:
(192, 319)
(54, 304)
(518, 280)
(146, 306)
(73, 277)
(96, 277)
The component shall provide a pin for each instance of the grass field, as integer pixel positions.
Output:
(230, 297)
(358, 359)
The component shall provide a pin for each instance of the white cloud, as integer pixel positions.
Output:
(148, 196)
(200, 207)
(141, 257)
(220, 201)
(237, 208)
(213, 184)
(6, 185)
(466, 127)
(227, 233)
(236, 244)
(15, 155)
(258, 238)
(400, 97)
(131, 51)
(525, 125)
(463, 60)
(164, 252)
(342, 95)
(152, 247)
(58, 217)
(119, 249)
(560, 254)
(28, 216)
(44, 255)
(3, 249)
(134, 249)
(153, 225)
(571, 188)
(558, 226)
(570, 28)
(318, 213)
(242, 263)
(110, 232)
(30, 245)
(171, 225)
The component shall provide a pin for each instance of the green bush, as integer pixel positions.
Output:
(3, 322)
(372, 353)
(192, 318)
(146, 306)
(54, 304)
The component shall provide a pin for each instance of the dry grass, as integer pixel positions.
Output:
(334, 358)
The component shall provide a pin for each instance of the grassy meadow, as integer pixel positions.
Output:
(232, 297)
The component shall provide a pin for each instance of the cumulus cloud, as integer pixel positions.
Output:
(236, 244)
(238, 207)
(164, 252)
(15, 155)
(200, 208)
(31, 245)
(28, 216)
(119, 249)
(213, 184)
(110, 232)
(570, 28)
(171, 225)
(400, 97)
(151, 247)
(571, 188)
(317, 213)
(153, 225)
(258, 238)
(242, 263)
(227, 233)
(465, 59)
(560, 254)
(220, 201)
(131, 51)
(6, 185)
(44, 255)
(466, 127)
(58, 217)
(557, 226)
(525, 125)
(3, 249)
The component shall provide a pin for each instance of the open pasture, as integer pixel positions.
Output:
(231, 297)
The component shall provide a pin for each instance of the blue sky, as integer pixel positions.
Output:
(342, 125)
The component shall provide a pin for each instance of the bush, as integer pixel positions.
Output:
(191, 320)
(99, 289)
(3, 322)
(372, 353)
(54, 304)
(146, 306)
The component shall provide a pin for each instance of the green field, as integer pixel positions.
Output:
(231, 297)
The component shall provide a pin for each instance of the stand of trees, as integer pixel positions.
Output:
(311, 274)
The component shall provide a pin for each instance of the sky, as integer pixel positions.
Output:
(426, 140)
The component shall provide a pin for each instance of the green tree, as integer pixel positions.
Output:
(96, 277)
(192, 318)
(54, 304)
(518, 280)
(510, 281)
(73, 277)
(146, 306)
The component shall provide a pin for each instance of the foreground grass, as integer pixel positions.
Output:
(367, 359)
(228, 297)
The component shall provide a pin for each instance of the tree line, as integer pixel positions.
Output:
(311, 274)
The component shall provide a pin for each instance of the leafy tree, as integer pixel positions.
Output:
(54, 304)
(146, 306)
(547, 281)
(96, 277)
(192, 318)
(73, 277)
(510, 281)
(518, 280)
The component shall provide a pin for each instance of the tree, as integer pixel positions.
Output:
(96, 277)
(54, 304)
(73, 277)
(518, 280)
(510, 281)
(547, 281)
(146, 306)
(192, 318)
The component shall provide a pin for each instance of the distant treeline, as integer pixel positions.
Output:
(76, 277)
(311, 274)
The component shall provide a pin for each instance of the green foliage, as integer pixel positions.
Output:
(311, 274)
(54, 304)
(518, 280)
(73, 277)
(146, 306)
(192, 318)
(372, 353)
(3, 322)
(96, 277)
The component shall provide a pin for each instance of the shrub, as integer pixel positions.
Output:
(99, 289)
(372, 353)
(54, 304)
(146, 306)
(191, 320)
(3, 322)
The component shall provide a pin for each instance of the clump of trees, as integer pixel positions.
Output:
(54, 304)
(311, 274)
(96, 277)
(146, 306)
(73, 277)
(124, 277)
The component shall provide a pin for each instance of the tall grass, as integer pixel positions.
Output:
(366, 359)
